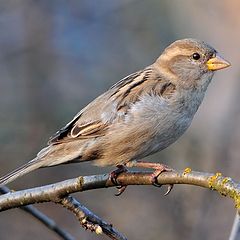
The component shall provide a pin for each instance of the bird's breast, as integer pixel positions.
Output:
(166, 120)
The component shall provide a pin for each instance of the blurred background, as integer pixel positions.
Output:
(56, 56)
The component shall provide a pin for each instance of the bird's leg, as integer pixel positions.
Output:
(158, 167)
(113, 177)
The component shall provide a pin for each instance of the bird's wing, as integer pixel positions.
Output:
(95, 119)
(79, 128)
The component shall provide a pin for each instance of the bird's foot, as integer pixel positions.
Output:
(158, 167)
(113, 177)
(120, 189)
(114, 174)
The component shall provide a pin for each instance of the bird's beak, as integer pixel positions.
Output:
(216, 63)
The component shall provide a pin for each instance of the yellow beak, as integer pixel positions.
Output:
(216, 63)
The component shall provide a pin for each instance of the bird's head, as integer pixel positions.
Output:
(190, 62)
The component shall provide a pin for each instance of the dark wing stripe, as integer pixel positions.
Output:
(123, 82)
(136, 83)
(132, 86)
(62, 132)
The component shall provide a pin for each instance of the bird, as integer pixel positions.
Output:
(139, 115)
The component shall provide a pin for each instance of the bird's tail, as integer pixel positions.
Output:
(26, 168)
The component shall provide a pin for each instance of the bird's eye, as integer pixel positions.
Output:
(196, 56)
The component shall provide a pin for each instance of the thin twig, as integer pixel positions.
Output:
(235, 232)
(89, 220)
(48, 222)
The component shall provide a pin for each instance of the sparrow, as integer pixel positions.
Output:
(141, 114)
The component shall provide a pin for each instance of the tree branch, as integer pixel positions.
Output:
(54, 192)
(89, 220)
(235, 233)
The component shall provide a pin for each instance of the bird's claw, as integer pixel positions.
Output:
(154, 181)
(114, 174)
(169, 189)
(113, 177)
(155, 175)
(121, 189)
